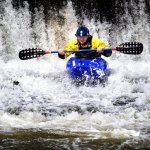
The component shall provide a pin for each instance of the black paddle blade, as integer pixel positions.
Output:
(30, 53)
(133, 48)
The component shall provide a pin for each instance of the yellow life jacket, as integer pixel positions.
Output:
(91, 43)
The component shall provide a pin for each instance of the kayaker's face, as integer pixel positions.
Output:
(82, 39)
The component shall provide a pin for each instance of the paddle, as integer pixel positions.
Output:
(133, 48)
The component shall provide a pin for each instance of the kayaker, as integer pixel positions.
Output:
(85, 41)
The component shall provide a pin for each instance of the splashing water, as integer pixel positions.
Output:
(45, 99)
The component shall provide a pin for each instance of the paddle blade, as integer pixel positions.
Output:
(30, 53)
(133, 48)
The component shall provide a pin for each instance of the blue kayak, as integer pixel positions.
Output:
(82, 69)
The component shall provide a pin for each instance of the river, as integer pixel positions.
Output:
(40, 108)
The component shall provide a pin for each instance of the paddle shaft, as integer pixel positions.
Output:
(78, 51)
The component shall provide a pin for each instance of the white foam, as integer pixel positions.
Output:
(45, 98)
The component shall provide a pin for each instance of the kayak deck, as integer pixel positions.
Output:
(87, 69)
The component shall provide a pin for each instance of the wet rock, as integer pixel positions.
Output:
(123, 100)
(14, 111)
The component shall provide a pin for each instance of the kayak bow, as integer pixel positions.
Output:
(80, 69)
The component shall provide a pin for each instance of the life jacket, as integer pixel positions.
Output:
(86, 45)
(91, 43)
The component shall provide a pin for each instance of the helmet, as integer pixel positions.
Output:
(82, 31)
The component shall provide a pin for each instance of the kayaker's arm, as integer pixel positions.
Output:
(61, 54)
(106, 53)
(71, 45)
(99, 45)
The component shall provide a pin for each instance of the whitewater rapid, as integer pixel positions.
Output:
(46, 99)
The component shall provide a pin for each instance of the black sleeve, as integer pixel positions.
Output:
(107, 53)
(61, 56)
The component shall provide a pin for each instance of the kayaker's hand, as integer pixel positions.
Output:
(99, 50)
(61, 52)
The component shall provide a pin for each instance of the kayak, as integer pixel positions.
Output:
(80, 69)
